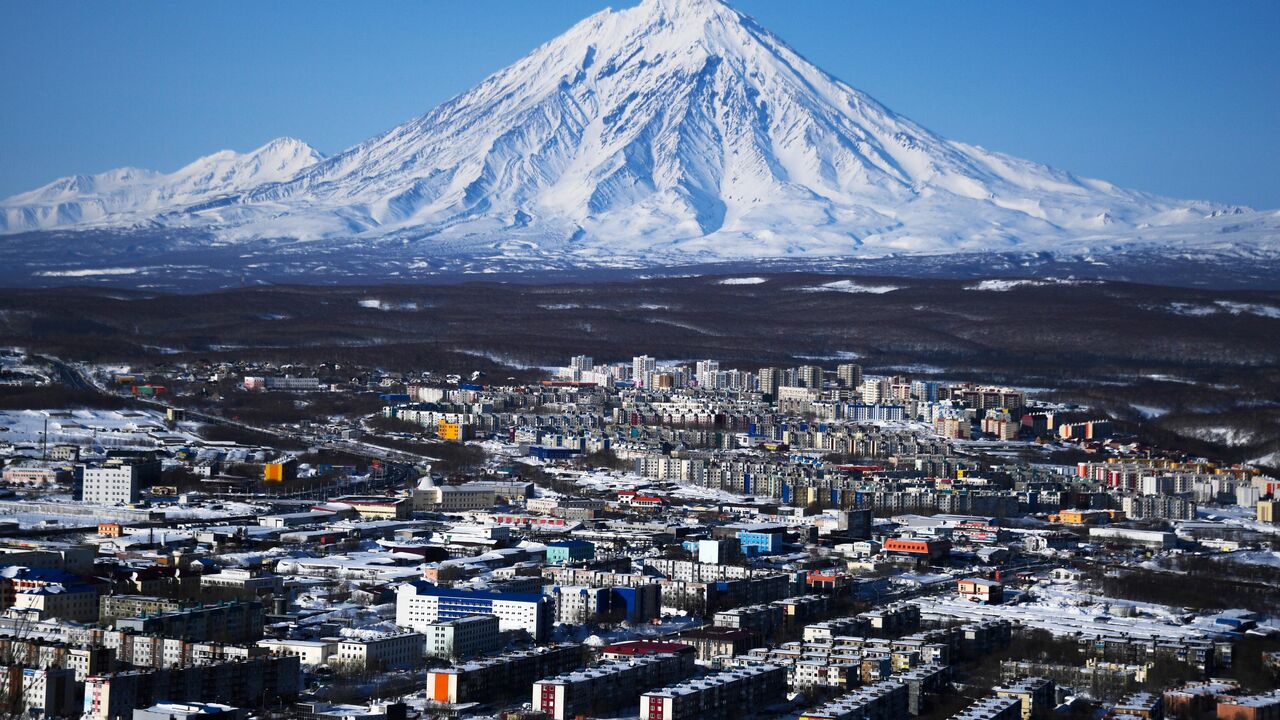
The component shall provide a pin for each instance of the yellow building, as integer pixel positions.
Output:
(1266, 511)
(453, 430)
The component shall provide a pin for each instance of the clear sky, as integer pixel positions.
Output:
(1179, 98)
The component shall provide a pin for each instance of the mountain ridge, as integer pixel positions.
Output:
(671, 131)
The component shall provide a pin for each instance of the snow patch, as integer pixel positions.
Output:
(849, 286)
(89, 272)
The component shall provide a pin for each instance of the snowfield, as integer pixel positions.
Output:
(1066, 611)
(671, 132)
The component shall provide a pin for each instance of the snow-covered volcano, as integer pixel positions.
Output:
(674, 131)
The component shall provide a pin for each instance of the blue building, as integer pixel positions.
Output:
(567, 551)
(760, 542)
(419, 604)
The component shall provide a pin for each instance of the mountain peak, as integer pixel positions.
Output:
(687, 9)
(673, 131)
(288, 144)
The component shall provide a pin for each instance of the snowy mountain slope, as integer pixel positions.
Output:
(131, 195)
(674, 131)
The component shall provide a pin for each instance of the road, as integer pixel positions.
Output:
(398, 464)
(76, 378)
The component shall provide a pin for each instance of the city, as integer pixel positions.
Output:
(645, 538)
(640, 360)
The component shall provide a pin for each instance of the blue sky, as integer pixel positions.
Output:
(1178, 98)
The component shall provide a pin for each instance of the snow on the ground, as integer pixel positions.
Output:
(1270, 459)
(849, 286)
(1007, 285)
(837, 355)
(1270, 558)
(104, 428)
(1222, 434)
(90, 272)
(1237, 308)
(1223, 306)
(743, 281)
(697, 492)
(1067, 611)
(376, 304)
(1238, 516)
(611, 482)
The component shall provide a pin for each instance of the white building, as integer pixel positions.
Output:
(419, 604)
(452, 498)
(390, 652)
(245, 580)
(308, 652)
(464, 637)
(111, 484)
(56, 601)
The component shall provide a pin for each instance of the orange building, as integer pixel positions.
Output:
(453, 430)
(284, 471)
(1087, 517)
(916, 547)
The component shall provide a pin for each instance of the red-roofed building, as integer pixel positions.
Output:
(631, 498)
(633, 648)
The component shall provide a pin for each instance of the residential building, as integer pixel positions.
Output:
(992, 708)
(716, 697)
(607, 687)
(462, 638)
(503, 676)
(1036, 695)
(247, 683)
(379, 654)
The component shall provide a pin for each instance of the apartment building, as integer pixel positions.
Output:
(33, 692)
(75, 602)
(579, 605)
(716, 697)
(82, 660)
(609, 686)
(462, 638)
(236, 622)
(161, 652)
(880, 701)
(118, 480)
(113, 607)
(1035, 693)
(379, 654)
(1149, 706)
(453, 498)
(992, 708)
(243, 684)
(829, 629)
(502, 676)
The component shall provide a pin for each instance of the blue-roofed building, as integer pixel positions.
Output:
(419, 604)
